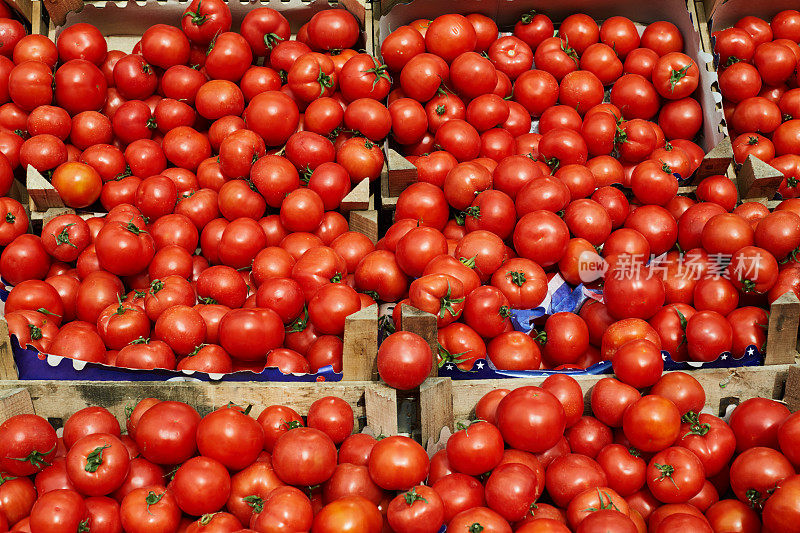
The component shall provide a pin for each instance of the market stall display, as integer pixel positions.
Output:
(403, 266)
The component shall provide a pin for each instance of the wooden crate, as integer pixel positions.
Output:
(724, 387)
(58, 12)
(360, 348)
(122, 24)
(399, 173)
(31, 12)
(374, 405)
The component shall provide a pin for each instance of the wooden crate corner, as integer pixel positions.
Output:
(15, 402)
(8, 368)
(784, 315)
(360, 353)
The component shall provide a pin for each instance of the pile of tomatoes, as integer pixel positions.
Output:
(175, 471)
(758, 63)
(221, 159)
(542, 156)
(640, 464)
(531, 463)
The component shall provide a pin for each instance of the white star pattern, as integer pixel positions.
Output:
(750, 351)
(449, 366)
(723, 357)
(480, 364)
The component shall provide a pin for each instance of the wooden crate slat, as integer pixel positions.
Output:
(366, 223)
(57, 400)
(360, 353)
(358, 198)
(784, 315)
(8, 368)
(380, 404)
(436, 407)
(401, 172)
(792, 390)
(716, 161)
(723, 386)
(758, 180)
(14, 402)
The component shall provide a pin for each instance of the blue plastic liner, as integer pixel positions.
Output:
(32, 365)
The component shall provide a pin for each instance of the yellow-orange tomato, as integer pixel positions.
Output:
(79, 185)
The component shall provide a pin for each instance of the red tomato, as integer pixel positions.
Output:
(404, 360)
(675, 475)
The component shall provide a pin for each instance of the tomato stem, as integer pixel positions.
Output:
(272, 39)
(666, 473)
(197, 18)
(445, 356)
(152, 498)
(468, 262)
(36, 332)
(325, 82)
(256, 502)
(527, 18)
(693, 419)
(748, 285)
(10, 218)
(46, 312)
(36, 458)
(412, 496)
(379, 71)
(95, 459)
(517, 277)
(473, 211)
(677, 75)
(447, 303)
(300, 323)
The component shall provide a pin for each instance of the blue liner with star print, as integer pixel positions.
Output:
(562, 298)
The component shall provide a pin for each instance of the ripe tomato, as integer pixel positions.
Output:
(571, 474)
(778, 511)
(284, 507)
(59, 511)
(27, 445)
(165, 433)
(264, 333)
(200, 475)
(708, 334)
(516, 423)
(674, 475)
(404, 360)
(755, 423)
(475, 449)
(348, 513)
(514, 350)
(150, 508)
(333, 416)
(97, 464)
(404, 512)
(710, 439)
(756, 472)
(489, 520)
(397, 463)
(638, 363)
(304, 456)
